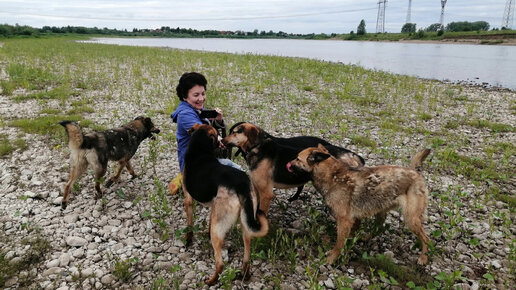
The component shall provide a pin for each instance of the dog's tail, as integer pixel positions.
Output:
(417, 160)
(253, 219)
(74, 133)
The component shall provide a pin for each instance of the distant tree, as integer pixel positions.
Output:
(433, 27)
(467, 26)
(361, 28)
(408, 28)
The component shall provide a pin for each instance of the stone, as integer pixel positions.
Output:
(73, 241)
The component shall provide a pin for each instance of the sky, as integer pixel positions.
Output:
(304, 17)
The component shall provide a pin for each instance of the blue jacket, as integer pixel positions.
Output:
(185, 116)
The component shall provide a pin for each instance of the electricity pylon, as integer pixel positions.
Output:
(441, 22)
(380, 20)
(408, 11)
(508, 14)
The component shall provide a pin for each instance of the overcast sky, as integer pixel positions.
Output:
(306, 16)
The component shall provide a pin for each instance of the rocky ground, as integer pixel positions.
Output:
(93, 243)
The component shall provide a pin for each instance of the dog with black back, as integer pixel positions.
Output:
(226, 190)
(267, 156)
(97, 148)
(356, 193)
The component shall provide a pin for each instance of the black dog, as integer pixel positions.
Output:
(96, 148)
(226, 190)
(267, 157)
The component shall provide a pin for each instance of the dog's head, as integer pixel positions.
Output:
(146, 126)
(308, 158)
(243, 135)
(207, 131)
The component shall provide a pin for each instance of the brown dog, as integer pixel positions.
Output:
(267, 156)
(96, 148)
(226, 190)
(355, 193)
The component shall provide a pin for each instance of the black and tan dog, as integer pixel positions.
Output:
(267, 156)
(226, 190)
(356, 193)
(97, 148)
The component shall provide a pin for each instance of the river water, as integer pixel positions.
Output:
(489, 65)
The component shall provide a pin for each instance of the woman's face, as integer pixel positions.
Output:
(196, 97)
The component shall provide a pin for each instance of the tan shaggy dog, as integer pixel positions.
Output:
(356, 193)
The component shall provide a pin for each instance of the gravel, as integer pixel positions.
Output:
(91, 237)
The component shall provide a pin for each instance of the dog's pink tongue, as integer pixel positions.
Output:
(289, 169)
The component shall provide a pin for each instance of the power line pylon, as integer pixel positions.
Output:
(441, 21)
(380, 20)
(408, 11)
(508, 14)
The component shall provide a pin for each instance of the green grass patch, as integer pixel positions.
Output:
(47, 125)
(36, 252)
(496, 127)
(363, 141)
(31, 78)
(7, 146)
(401, 274)
(501, 196)
(61, 93)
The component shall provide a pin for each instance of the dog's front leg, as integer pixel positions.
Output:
(344, 225)
(121, 165)
(130, 168)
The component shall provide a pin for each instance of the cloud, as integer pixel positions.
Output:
(323, 16)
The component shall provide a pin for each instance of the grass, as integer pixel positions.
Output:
(383, 117)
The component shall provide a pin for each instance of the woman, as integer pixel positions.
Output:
(191, 92)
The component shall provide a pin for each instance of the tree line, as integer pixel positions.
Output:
(7, 30)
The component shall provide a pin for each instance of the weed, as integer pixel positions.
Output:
(122, 269)
(227, 276)
(160, 208)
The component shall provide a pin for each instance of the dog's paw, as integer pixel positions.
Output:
(423, 260)
(331, 257)
(64, 204)
(213, 279)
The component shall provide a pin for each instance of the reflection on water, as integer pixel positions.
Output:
(491, 65)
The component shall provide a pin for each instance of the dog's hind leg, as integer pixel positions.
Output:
(413, 214)
(296, 195)
(189, 216)
(246, 272)
(77, 167)
(121, 165)
(224, 214)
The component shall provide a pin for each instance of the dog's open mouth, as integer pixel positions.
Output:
(289, 167)
(154, 131)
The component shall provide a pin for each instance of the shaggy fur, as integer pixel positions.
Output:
(226, 190)
(356, 193)
(267, 156)
(97, 148)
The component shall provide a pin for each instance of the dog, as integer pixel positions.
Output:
(226, 190)
(96, 148)
(356, 193)
(266, 157)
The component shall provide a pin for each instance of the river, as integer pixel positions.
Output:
(488, 65)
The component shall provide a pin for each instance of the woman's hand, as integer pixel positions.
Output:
(219, 116)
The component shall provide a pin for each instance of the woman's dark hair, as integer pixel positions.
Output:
(188, 81)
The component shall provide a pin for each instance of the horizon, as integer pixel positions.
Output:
(323, 16)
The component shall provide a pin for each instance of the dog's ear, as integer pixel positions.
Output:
(316, 157)
(193, 129)
(252, 133)
(322, 148)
